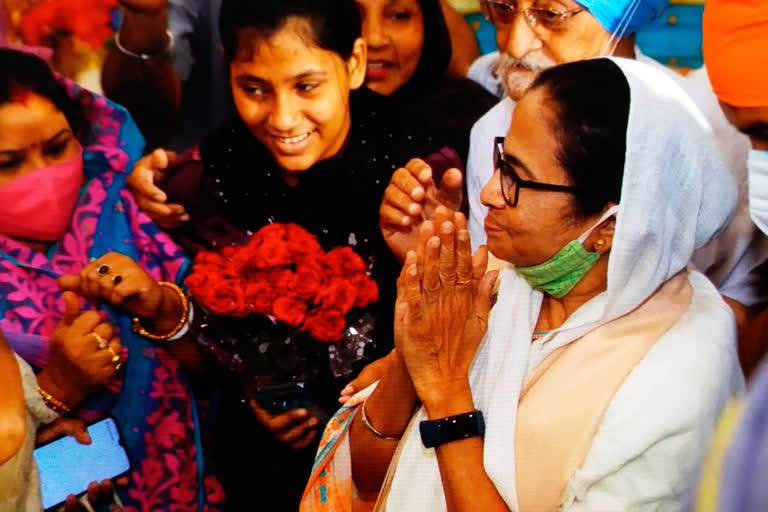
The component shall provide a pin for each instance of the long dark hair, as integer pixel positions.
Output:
(335, 24)
(20, 71)
(590, 100)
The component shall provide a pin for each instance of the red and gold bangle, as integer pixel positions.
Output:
(139, 329)
(52, 402)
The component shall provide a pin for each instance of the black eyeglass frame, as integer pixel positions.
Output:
(507, 169)
(532, 20)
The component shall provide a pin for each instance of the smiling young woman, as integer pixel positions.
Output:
(311, 146)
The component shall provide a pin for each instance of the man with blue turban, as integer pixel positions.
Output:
(556, 32)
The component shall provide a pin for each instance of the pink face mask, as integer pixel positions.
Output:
(38, 206)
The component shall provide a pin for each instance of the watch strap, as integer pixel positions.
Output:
(453, 428)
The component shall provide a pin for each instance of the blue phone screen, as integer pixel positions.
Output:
(67, 467)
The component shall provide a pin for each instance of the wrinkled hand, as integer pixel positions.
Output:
(370, 374)
(152, 201)
(295, 428)
(411, 198)
(77, 365)
(443, 303)
(120, 281)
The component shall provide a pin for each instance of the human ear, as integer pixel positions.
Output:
(356, 64)
(603, 234)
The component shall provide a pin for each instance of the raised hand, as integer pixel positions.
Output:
(152, 201)
(412, 198)
(444, 299)
(85, 353)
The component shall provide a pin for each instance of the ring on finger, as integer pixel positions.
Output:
(103, 343)
(115, 357)
(102, 270)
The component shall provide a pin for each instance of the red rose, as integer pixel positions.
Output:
(226, 297)
(244, 260)
(339, 295)
(344, 261)
(290, 310)
(367, 290)
(272, 253)
(301, 243)
(198, 281)
(280, 278)
(325, 325)
(259, 296)
(268, 232)
(210, 258)
(307, 280)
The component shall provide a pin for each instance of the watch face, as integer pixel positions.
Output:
(437, 432)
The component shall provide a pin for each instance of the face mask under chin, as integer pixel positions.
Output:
(561, 273)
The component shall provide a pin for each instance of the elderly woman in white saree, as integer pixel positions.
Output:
(594, 380)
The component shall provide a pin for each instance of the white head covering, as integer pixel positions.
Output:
(676, 196)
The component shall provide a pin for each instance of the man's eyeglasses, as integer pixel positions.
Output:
(511, 182)
(499, 12)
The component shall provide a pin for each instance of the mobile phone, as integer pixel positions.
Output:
(67, 467)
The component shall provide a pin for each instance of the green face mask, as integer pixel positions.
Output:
(558, 275)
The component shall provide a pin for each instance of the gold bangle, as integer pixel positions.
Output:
(375, 432)
(139, 329)
(52, 403)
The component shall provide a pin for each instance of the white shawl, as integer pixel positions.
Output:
(676, 196)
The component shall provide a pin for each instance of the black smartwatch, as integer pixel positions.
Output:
(437, 432)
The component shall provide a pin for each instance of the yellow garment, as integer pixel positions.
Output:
(707, 494)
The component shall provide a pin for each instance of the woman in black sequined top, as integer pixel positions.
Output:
(310, 147)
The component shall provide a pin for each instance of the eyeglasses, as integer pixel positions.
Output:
(502, 13)
(511, 182)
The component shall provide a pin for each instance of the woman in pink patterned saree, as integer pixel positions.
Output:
(68, 224)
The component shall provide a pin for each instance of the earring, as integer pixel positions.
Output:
(600, 245)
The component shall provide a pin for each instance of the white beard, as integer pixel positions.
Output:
(514, 81)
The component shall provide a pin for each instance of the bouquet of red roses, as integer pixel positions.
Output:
(291, 310)
(284, 273)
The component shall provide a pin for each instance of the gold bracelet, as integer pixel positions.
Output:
(375, 432)
(52, 403)
(139, 329)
